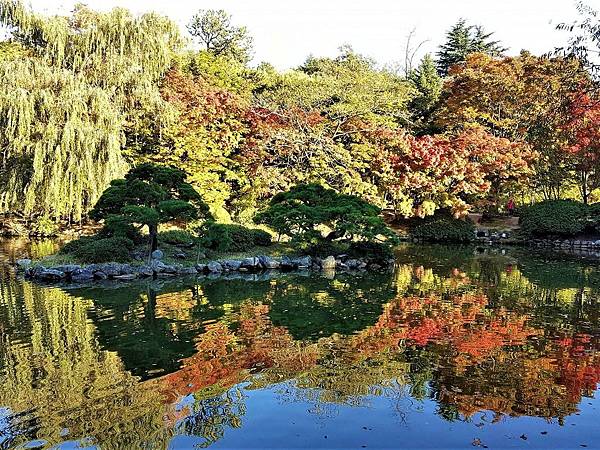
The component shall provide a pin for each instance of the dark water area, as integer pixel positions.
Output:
(458, 347)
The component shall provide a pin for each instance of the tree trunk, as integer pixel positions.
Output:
(153, 231)
(584, 187)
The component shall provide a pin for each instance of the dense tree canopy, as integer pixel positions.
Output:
(84, 82)
(526, 98)
(86, 96)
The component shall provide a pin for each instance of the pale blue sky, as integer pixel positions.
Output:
(285, 32)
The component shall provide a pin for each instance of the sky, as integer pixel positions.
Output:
(286, 32)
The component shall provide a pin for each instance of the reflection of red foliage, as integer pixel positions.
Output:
(578, 365)
(547, 382)
(224, 357)
(462, 323)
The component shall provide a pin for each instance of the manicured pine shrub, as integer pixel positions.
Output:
(557, 218)
(443, 228)
(231, 237)
(96, 249)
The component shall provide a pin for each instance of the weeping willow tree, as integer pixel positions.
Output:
(81, 88)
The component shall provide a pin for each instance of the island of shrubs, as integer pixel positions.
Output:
(317, 226)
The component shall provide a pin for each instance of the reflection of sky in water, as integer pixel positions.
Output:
(273, 422)
(5, 429)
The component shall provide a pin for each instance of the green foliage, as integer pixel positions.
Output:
(305, 210)
(96, 249)
(593, 217)
(77, 88)
(325, 248)
(371, 250)
(223, 237)
(461, 41)
(43, 226)
(150, 195)
(120, 226)
(444, 228)
(554, 218)
(429, 86)
(177, 237)
(213, 29)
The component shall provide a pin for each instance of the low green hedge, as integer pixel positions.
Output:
(97, 249)
(376, 251)
(231, 237)
(177, 237)
(444, 229)
(558, 218)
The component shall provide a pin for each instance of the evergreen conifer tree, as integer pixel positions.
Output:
(462, 40)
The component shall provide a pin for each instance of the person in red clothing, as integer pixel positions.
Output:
(510, 206)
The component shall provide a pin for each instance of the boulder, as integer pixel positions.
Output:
(251, 263)
(328, 263)
(353, 264)
(99, 275)
(69, 268)
(268, 262)
(187, 271)
(214, 267)
(174, 269)
(157, 254)
(113, 269)
(82, 275)
(157, 266)
(231, 264)
(286, 263)
(302, 263)
(201, 268)
(50, 275)
(23, 264)
(144, 271)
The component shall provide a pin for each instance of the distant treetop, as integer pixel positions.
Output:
(462, 40)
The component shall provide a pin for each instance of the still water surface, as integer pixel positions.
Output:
(457, 348)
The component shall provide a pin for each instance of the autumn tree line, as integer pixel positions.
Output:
(85, 97)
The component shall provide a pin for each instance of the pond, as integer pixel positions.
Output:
(458, 347)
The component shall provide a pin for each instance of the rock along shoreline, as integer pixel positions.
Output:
(73, 273)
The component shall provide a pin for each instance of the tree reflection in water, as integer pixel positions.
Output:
(137, 365)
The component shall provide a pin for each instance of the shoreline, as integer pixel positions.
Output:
(157, 269)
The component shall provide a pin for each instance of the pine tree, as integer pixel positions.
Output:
(429, 87)
(462, 40)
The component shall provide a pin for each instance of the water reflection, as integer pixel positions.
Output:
(453, 335)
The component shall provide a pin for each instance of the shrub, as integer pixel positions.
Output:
(304, 210)
(95, 249)
(554, 218)
(232, 238)
(593, 217)
(177, 237)
(325, 248)
(444, 229)
(371, 250)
